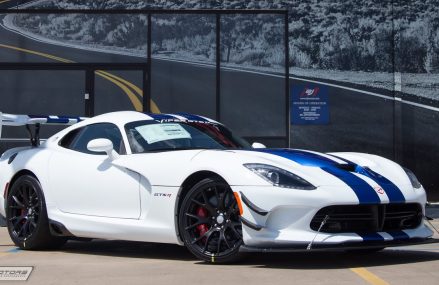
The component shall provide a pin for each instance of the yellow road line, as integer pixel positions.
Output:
(154, 107)
(4, 1)
(4, 253)
(136, 102)
(368, 276)
(111, 77)
(37, 53)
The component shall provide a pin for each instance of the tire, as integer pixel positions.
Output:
(26, 216)
(209, 222)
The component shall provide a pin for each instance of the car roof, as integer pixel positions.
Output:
(123, 117)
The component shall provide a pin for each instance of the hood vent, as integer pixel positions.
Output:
(348, 167)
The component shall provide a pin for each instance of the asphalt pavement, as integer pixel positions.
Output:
(119, 262)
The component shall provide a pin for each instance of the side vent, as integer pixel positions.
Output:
(12, 157)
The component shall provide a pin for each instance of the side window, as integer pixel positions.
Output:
(67, 140)
(79, 138)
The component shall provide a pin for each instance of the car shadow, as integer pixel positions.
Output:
(298, 260)
(129, 249)
(339, 260)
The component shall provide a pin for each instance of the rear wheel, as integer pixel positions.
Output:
(209, 222)
(26, 216)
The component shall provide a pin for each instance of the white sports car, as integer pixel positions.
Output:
(186, 179)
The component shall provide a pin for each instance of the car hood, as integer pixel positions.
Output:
(335, 169)
(326, 169)
(341, 164)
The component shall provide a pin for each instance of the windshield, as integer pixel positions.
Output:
(147, 136)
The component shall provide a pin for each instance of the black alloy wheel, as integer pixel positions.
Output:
(26, 216)
(24, 211)
(209, 222)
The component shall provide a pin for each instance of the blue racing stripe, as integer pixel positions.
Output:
(162, 117)
(301, 157)
(192, 117)
(59, 120)
(393, 192)
(371, 237)
(55, 119)
(399, 235)
(365, 193)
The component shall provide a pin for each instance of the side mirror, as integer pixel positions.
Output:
(102, 145)
(258, 145)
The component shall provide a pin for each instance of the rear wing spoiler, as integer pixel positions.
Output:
(37, 121)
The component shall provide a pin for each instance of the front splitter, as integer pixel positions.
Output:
(340, 246)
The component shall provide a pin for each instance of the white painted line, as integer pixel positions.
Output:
(54, 42)
(346, 88)
(308, 80)
(421, 105)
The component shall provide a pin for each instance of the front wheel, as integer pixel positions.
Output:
(209, 222)
(26, 216)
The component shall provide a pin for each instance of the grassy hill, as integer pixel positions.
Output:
(366, 35)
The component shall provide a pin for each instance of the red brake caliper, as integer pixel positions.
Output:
(202, 229)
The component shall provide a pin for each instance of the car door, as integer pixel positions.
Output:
(88, 183)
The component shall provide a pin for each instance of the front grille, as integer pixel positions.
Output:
(368, 218)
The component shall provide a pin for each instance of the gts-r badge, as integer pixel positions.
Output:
(162, 195)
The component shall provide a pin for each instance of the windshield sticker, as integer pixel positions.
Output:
(162, 132)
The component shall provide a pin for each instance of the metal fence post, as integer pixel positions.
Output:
(287, 80)
(218, 69)
(147, 77)
(89, 96)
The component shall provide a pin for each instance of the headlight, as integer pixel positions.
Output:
(279, 177)
(413, 179)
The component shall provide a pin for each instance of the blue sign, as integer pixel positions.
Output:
(310, 104)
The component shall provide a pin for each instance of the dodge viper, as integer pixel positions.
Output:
(188, 180)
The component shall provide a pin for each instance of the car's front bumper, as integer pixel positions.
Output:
(280, 218)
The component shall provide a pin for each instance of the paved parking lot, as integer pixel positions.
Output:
(118, 262)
